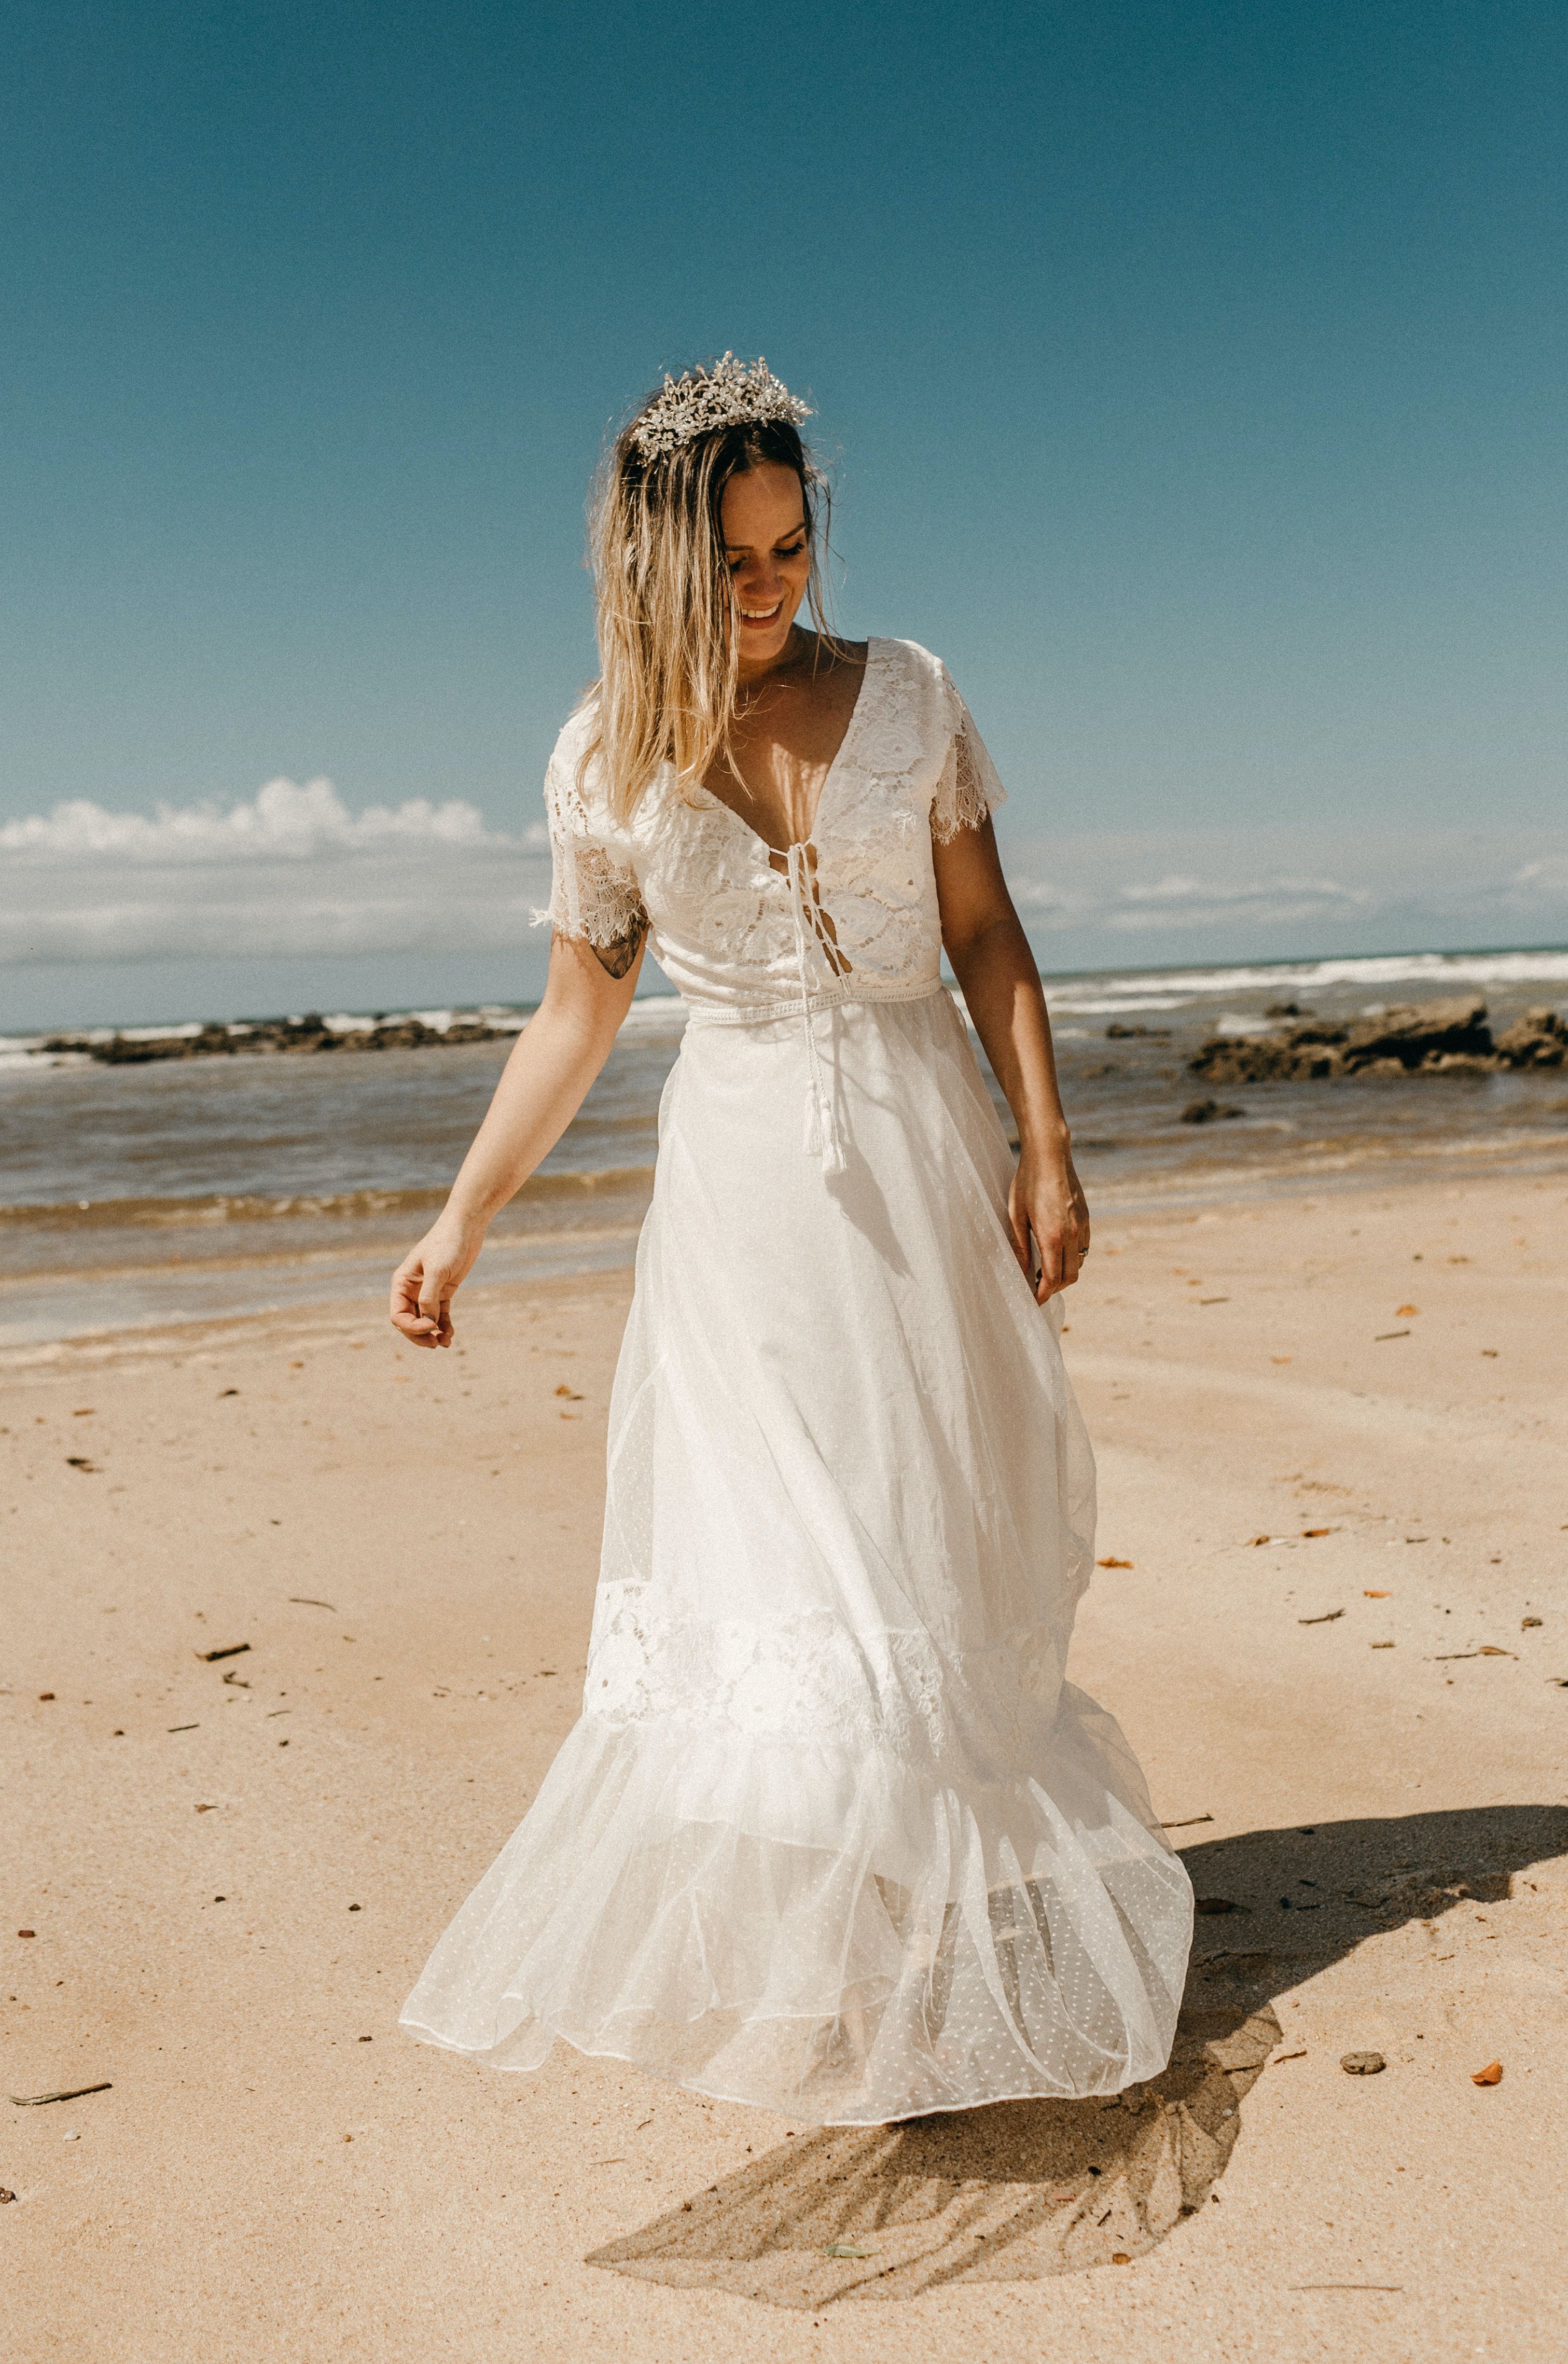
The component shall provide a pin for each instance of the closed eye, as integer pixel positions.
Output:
(797, 549)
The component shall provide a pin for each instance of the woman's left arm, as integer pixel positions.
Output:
(989, 954)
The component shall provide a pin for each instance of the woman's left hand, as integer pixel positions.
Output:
(1049, 1217)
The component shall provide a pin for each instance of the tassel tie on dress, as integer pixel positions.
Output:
(822, 1135)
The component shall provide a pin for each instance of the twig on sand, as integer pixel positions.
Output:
(37, 2100)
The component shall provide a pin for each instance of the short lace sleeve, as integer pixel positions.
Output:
(969, 790)
(594, 893)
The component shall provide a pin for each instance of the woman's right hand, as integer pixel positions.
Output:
(429, 1278)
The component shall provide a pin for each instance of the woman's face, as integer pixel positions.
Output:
(769, 558)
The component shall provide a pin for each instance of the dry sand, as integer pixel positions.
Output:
(234, 1869)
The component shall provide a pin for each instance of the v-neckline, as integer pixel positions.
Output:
(781, 852)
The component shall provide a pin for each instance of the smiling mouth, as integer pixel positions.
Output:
(761, 615)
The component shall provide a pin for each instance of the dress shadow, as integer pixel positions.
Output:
(1022, 2190)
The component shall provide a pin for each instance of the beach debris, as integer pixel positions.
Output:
(570, 1393)
(1120, 2256)
(238, 1682)
(1209, 1112)
(1309, 1534)
(843, 2249)
(183, 1727)
(1190, 1823)
(5, 2196)
(303, 1600)
(1279, 1358)
(1362, 2064)
(1491, 2075)
(1327, 1619)
(1366, 2286)
(46, 1695)
(226, 1391)
(26, 1933)
(1526, 1622)
(1254, 1541)
(1489, 1354)
(79, 1461)
(1112, 1563)
(1300, 2055)
(1367, 1595)
(231, 1650)
(206, 1810)
(1490, 1650)
(75, 2092)
(83, 1412)
(1216, 1904)
(1383, 1335)
(1402, 1311)
(1381, 1645)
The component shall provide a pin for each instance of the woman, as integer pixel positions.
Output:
(833, 1835)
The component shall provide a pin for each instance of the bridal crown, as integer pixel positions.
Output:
(728, 394)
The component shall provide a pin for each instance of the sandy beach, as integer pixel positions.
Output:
(1334, 1491)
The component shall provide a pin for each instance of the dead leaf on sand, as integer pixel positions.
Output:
(1491, 2075)
(1112, 1563)
(1376, 1596)
(1402, 1311)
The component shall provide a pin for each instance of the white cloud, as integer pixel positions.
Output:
(283, 822)
(1175, 891)
(291, 871)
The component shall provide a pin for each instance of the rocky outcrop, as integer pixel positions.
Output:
(1538, 1039)
(310, 1034)
(1425, 1037)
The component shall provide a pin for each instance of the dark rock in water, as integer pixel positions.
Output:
(1116, 1032)
(1538, 1039)
(1208, 1112)
(1422, 1038)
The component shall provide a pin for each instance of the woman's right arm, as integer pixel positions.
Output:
(543, 1085)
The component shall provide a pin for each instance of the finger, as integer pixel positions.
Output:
(408, 1282)
(435, 1303)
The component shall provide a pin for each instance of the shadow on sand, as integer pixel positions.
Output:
(1025, 2188)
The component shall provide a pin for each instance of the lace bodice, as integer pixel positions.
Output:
(738, 929)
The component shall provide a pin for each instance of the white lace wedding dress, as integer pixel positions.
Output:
(833, 1834)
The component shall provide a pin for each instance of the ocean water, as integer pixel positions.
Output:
(202, 1189)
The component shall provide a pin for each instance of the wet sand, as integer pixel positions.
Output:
(234, 1867)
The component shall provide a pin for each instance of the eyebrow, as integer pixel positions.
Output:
(777, 538)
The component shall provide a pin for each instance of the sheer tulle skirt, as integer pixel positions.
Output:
(833, 1834)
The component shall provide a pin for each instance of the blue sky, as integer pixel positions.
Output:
(1193, 378)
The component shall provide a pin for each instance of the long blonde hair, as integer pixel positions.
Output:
(667, 639)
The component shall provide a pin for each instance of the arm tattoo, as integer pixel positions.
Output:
(617, 958)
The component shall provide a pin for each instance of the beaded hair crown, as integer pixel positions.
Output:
(728, 394)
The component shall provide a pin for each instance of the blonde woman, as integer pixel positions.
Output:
(833, 1834)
